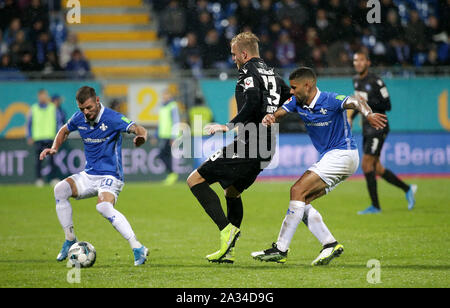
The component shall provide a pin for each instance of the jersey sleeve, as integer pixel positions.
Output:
(290, 105)
(252, 99)
(383, 95)
(71, 125)
(122, 123)
(338, 101)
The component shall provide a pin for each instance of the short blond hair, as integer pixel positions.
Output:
(246, 41)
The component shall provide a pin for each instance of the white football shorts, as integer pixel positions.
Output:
(92, 185)
(335, 166)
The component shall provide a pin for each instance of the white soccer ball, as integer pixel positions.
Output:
(82, 254)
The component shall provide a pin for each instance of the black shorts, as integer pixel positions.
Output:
(372, 144)
(237, 172)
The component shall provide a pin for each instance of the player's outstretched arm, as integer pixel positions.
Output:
(271, 118)
(141, 134)
(376, 120)
(61, 136)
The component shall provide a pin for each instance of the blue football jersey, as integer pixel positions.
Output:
(325, 120)
(102, 141)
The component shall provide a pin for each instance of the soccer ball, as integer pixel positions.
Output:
(82, 254)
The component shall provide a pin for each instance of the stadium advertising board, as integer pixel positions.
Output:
(17, 97)
(403, 153)
(419, 104)
(17, 161)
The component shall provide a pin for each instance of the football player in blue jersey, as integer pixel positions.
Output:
(101, 130)
(325, 118)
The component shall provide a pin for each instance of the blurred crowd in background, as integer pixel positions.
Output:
(34, 38)
(314, 33)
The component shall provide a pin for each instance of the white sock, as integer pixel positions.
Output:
(293, 217)
(314, 221)
(119, 222)
(63, 192)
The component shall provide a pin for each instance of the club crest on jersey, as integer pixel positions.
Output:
(103, 127)
(323, 111)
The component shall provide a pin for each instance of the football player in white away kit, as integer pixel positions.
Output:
(101, 130)
(325, 118)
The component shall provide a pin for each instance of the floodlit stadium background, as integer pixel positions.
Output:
(133, 50)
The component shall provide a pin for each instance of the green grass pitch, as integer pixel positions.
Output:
(411, 246)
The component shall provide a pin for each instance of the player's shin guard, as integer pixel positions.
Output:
(313, 220)
(390, 177)
(371, 181)
(119, 222)
(63, 192)
(235, 211)
(293, 217)
(210, 203)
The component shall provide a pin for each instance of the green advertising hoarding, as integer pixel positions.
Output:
(418, 104)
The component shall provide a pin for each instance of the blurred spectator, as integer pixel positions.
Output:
(8, 12)
(78, 67)
(285, 51)
(415, 32)
(215, 51)
(19, 47)
(200, 111)
(28, 65)
(3, 44)
(232, 29)
(172, 20)
(10, 34)
(246, 15)
(266, 15)
(294, 10)
(204, 24)
(35, 31)
(52, 69)
(36, 12)
(191, 47)
(65, 53)
(44, 45)
(115, 105)
(398, 53)
(61, 118)
(41, 129)
(9, 72)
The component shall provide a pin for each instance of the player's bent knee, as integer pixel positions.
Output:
(298, 193)
(104, 208)
(62, 190)
(194, 178)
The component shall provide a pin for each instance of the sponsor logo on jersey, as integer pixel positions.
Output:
(318, 124)
(248, 83)
(323, 111)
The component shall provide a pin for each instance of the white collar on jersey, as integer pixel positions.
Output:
(97, 119)
(314, 101)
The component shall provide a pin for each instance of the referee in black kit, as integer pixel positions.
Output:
(372, 89)
(259, 91)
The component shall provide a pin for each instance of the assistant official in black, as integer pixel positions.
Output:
(369, 87)
(259, 91)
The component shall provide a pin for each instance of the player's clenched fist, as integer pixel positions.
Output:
(46, 152)
(268, 120)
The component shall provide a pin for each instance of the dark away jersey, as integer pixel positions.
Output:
(374, 91)
(259, 91)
